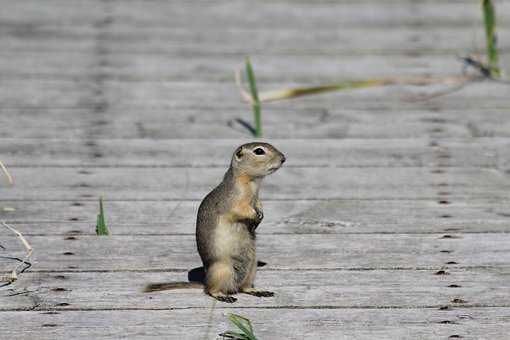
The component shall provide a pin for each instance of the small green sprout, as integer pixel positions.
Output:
(101, 228)
(245, 327)
(255, 98)
(489, 16)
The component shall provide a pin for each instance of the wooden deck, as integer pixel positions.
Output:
(390, 220)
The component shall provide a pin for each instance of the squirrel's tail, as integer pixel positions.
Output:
(156, 287)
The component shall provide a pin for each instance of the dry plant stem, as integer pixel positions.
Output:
(416, 81)
(7, 174)
(347, 85)
(13, 276)
(445, 92)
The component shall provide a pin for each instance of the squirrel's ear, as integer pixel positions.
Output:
(239, 153)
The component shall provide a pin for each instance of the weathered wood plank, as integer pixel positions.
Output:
(270, 69)
(281, 217)
(159, 124)
(284, 120)
(464, 152)
(267, 14)
(271, 324)
(288, 183)
(310, 289)
(120, 40)
(93, 71)
(310, 251)
(171, 96)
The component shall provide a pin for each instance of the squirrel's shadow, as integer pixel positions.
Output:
(198, 274)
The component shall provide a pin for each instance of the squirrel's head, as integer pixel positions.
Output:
(257, 159)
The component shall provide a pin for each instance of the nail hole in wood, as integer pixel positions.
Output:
(58, 289)
(83, 185)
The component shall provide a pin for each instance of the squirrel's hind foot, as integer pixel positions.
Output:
(224, 298)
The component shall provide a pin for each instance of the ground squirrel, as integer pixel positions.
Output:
(226, 223)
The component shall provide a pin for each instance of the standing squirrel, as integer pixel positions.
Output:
(226, 223)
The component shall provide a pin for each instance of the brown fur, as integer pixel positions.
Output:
(227, 219)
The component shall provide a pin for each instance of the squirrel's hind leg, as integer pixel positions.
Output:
(220, 282)
(247, 286)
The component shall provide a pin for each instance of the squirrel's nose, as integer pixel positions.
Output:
(283, 159)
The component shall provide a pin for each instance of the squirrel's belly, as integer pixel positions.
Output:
(233, 240)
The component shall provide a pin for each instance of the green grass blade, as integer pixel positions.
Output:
(101, 228)
(234, 335)
(255, 96)
(489, 16)
(244, 326)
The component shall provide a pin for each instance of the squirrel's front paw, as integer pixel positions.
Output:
(259, 215)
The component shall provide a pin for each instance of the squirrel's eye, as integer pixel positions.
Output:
(259, 151)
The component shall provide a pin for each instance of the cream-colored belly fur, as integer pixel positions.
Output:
(232, 239)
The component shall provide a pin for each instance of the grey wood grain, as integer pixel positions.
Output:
(283, 323)
(281, 217)
(134, 68)
(289, 251)
(304, 289)
(418, 44)
(268, 14)
(283, 120)
(399, 231)
(147, 95)
(463, 152)
(289, 183)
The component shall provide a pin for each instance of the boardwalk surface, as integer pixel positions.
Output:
(390, 219)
